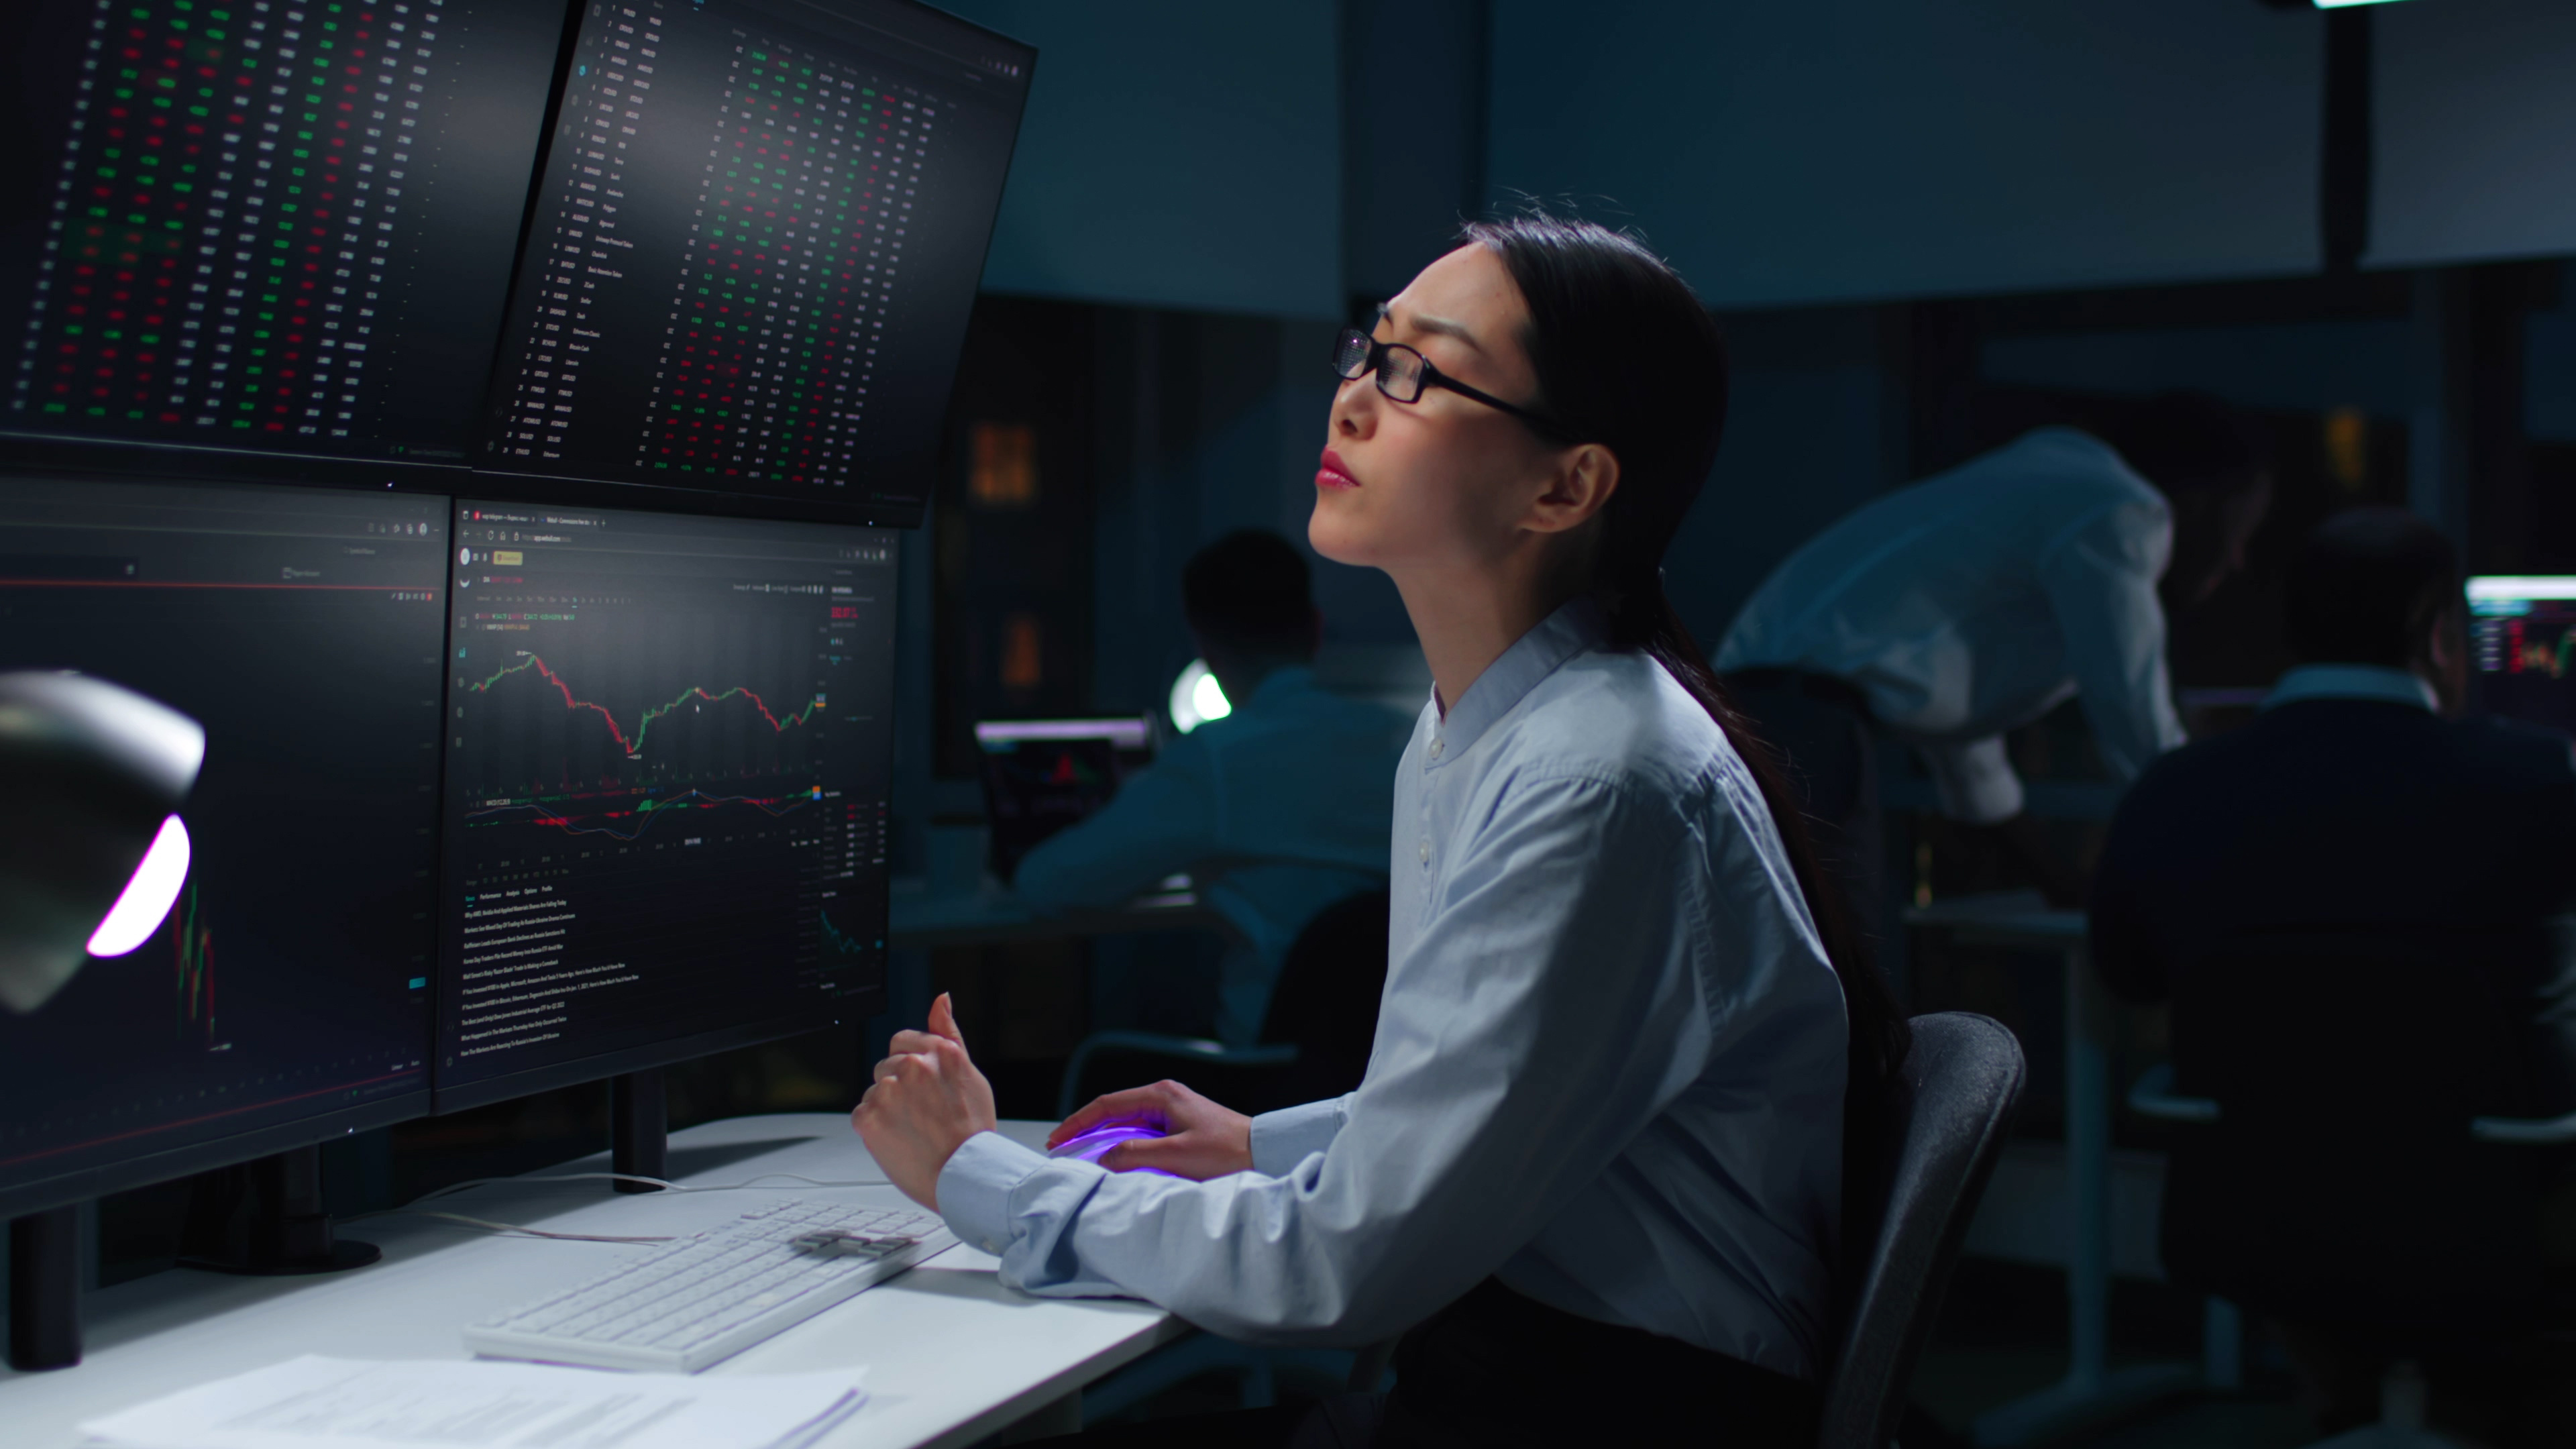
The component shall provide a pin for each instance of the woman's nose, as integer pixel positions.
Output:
(1354, 408)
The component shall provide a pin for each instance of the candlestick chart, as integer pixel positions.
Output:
(667, 751)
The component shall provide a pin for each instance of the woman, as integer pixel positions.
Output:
(1596, 1166)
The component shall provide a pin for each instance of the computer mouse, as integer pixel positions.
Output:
(1090, 1145)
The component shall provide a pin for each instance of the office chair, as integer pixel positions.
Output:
(1315, 1037)
(1962, 1082)
(2340, 1162)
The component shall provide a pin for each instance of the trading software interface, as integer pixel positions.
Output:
(292, 978)
(755, 239)
(266, 226)
(2525, 638)
(668, 757)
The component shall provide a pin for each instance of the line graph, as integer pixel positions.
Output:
(2539, 658)
(644, 814)
(634, 745)
(839, 942)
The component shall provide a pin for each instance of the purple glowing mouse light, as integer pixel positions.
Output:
(1091, 1145)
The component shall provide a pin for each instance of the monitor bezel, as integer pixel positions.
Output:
(857, 1009)
(848, 1011)
(168, 1164)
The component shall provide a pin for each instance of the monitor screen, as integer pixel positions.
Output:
(239, 232)
(2523, 639)
(753, 245)
(287, 996)
(1043, 775)
(669, 753)
(705, 254)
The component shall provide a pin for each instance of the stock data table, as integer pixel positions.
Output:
(749, 253)
(253, 205)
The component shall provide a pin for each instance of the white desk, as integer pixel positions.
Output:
(951, 1355)
(2091, 1390)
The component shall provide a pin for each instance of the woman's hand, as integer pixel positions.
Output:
(926, 1100)
(1204, 1141)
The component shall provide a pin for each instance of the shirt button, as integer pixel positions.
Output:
(1425, 852)
(1437, 746)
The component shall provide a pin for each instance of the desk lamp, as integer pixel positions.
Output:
(91, 856)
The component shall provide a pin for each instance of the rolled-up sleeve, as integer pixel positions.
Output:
(2101, 577)
(975, 1187)
(1975, 780)
(1588, 1012)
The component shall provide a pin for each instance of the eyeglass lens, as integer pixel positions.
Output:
(1399, 369)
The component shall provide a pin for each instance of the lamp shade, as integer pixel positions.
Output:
(90, 774)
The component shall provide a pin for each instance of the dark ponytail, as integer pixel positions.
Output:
(1627, 357)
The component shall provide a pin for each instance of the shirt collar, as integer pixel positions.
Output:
(1577, 626)
(2351, 681)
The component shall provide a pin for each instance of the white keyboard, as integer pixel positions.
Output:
(694, 1301)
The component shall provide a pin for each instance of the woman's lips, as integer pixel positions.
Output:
(1334, 473)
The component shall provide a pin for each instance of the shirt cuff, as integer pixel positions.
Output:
(975, 1188)
(1975, 781)
(1282, 1139)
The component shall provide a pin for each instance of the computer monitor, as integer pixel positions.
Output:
(669, 752)
(286, 1000)
(1043, 775)
(262, 237)
(716, 255)
(2523, 630)
(751, 251)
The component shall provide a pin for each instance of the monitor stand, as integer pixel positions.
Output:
(44, 1290)
(638, 1129)
(286, 1231)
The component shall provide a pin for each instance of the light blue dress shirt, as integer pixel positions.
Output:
(1975, 601)
(1276, 811)
(1608, 1067)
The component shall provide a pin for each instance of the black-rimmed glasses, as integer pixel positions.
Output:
(1403, 373)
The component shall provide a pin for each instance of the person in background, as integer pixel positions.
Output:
(2350, 806)
(1970, 604)
(1276, 811)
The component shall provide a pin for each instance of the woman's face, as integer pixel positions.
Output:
(1446, 480)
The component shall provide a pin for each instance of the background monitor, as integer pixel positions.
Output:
(2523, 641)
(751, 252)
(669, 752)
(1043, 775)
(287, 997)
(262, 236)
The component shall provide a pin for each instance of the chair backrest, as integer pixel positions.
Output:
(1961, 1083)
(2340, 1184)
(1325, 1003)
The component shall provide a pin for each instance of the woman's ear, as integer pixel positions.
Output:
(1585, 478)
